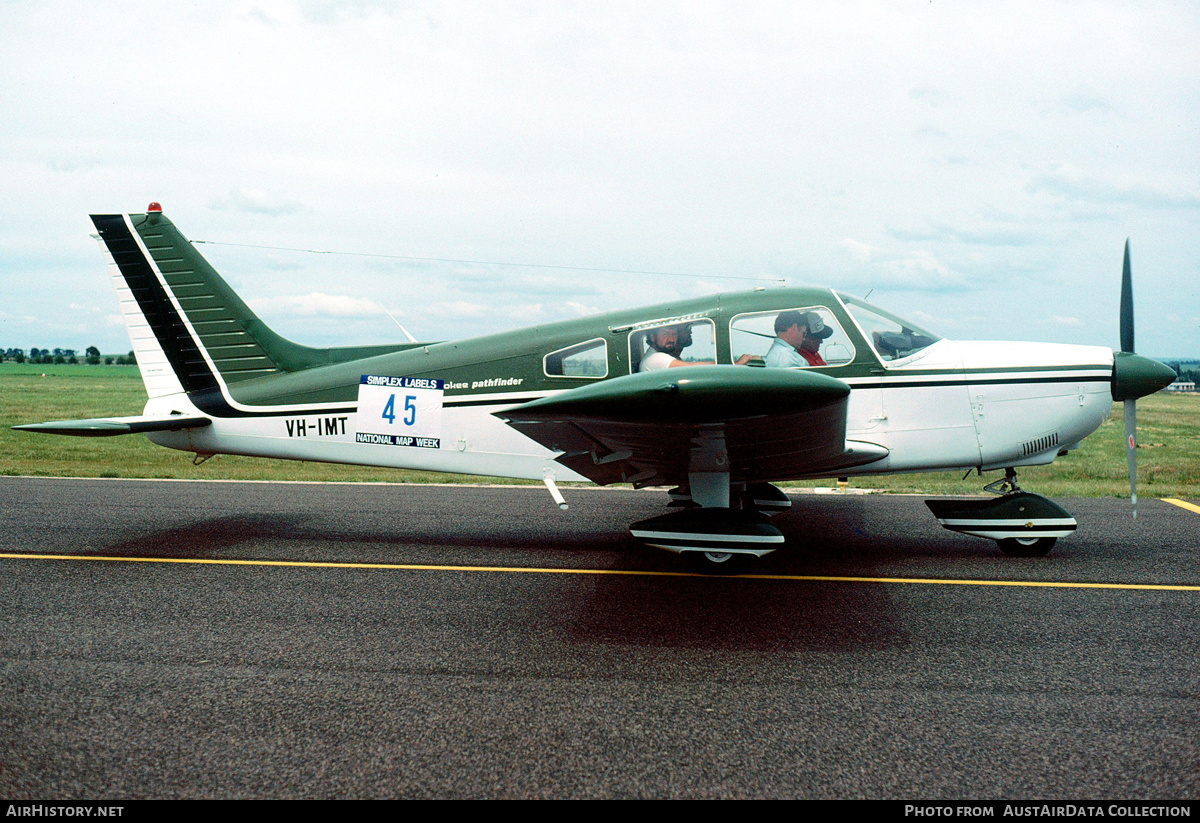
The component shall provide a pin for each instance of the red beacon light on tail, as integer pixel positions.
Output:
(154, 207)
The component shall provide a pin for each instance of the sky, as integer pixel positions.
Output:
(975, 167)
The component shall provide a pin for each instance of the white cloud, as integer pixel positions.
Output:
(902, 269)
(456, 309)
(862, 252)
(253, 201)
(580, 308)
(524, 312)
(921, 271)
(1075, 184)
(316, 304)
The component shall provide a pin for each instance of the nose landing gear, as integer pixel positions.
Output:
(1022, 524)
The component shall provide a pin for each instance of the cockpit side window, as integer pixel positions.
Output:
(892, 337)
(801, 337)
(685, 342)
(583, 360)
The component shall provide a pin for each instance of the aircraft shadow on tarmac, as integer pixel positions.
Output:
(845, 537)
(704, 612)
(738, 615)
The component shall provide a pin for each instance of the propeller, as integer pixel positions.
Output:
(1134, 376)
(1131, 403)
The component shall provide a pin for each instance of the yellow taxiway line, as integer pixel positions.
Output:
(313, 564)
(1183, 504)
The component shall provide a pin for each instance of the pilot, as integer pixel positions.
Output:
(798, 336)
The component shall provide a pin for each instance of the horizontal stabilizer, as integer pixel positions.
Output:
(111, 426)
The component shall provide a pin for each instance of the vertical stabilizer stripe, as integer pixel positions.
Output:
(168, 327)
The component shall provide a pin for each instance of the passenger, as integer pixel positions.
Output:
(812, 346)
(798, 337)
(666, 344)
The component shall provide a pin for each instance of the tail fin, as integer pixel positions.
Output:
(190, 331)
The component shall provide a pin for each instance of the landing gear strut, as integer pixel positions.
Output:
(759, 497)
(1005, 485)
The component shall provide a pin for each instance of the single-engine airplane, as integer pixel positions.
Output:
(716, 396)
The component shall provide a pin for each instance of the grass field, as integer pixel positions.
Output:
(1168, 457)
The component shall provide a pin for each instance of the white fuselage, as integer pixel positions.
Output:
(960, 405)
(953, 405)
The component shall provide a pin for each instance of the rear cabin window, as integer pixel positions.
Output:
(769, 337)
(587, 360)
(688, 341)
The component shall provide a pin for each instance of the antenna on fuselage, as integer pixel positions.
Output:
(411, 339)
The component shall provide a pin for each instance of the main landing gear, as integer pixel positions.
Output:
(719, 525)
(1021, 523)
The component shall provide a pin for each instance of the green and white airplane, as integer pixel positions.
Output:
(717, 396)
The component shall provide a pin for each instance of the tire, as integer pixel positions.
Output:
(1027, 546)
(719, 562)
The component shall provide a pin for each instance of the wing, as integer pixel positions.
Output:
(653, 428)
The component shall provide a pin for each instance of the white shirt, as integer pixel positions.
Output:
(656, 360)
(783, 355)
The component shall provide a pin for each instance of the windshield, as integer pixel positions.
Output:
(892, 337)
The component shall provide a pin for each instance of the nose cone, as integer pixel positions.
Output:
(1135, 376)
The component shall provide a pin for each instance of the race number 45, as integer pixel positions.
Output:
(399, 411)
(410, 410)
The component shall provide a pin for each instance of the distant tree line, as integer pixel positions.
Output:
(59, 356)
(1188, 370)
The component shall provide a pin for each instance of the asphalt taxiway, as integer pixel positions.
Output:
(180, 639)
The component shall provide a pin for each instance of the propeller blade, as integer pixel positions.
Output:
(1131, 450)
(1134, 376)
(1130, 401)
(1126, 303)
